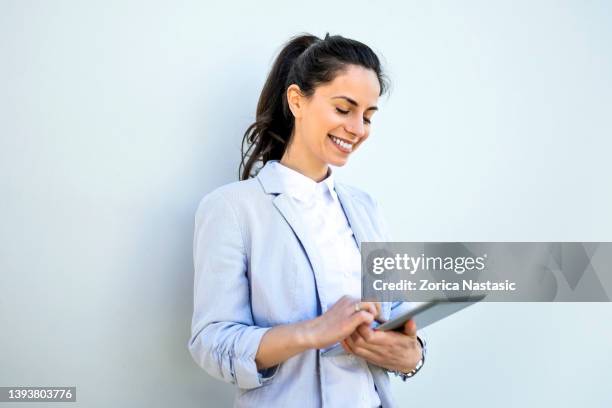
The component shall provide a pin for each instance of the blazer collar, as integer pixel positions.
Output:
(273, 183)
(296, 184)
(269, 180)
(354, 210)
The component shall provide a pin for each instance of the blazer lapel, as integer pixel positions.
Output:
(354, 211)
(357, 213)
(285, 204)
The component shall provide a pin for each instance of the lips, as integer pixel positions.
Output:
(344, 140)
(344, 149)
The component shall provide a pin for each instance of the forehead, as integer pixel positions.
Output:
(358, 83)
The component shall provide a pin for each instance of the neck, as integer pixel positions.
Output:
(300, 160)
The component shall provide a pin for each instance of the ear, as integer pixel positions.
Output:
(295, 100)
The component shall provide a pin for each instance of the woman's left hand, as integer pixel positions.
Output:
(393, 350)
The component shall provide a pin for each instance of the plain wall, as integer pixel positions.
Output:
(117, 117)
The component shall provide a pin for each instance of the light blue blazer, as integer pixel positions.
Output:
(257, 267)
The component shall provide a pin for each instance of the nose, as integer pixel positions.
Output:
(355, 126)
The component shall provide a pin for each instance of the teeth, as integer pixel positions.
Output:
(347, 146)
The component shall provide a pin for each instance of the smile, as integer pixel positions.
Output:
(342, 145)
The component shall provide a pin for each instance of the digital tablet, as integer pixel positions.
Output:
(423, 315)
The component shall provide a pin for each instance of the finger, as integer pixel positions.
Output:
(374, 308)
(345, 346)
(363, 352)
(410, 328)
(365, 332)
(348, 346)
(368, 355)
(359, 318)
(377, 338)
(358, 341)
(378, 307)
(350, 343)
(379, 315)
(369, 307)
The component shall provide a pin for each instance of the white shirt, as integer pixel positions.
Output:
(323, 215)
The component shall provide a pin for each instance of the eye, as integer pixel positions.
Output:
(345, 112)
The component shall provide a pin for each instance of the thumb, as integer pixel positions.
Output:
(410, 328)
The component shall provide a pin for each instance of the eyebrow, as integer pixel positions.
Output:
(353, 102)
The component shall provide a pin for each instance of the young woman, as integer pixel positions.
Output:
(276, 255)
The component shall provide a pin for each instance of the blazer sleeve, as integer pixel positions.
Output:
(224, 339)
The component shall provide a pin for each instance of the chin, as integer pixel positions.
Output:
(337, 162)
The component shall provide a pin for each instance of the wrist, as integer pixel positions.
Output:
(304, 334)
(405, 374)
(419, 360)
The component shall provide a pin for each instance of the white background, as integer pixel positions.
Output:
(117, 117)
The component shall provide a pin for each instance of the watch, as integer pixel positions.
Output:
(403, 375)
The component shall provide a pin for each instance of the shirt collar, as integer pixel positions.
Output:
(300, 186)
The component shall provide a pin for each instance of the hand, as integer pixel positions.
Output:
(396, 351)
(340, 321)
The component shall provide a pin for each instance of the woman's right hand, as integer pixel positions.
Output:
(339, 321)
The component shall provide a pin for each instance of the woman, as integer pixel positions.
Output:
(276, 255)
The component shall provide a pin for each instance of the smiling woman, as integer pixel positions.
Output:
(276, 254)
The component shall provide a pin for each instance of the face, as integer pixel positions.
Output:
(334, 122)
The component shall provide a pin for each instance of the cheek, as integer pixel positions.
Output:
(363, 139)
(328, 120)
(320, 122)
(324, 124)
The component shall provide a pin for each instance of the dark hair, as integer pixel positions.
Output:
(307, 61)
